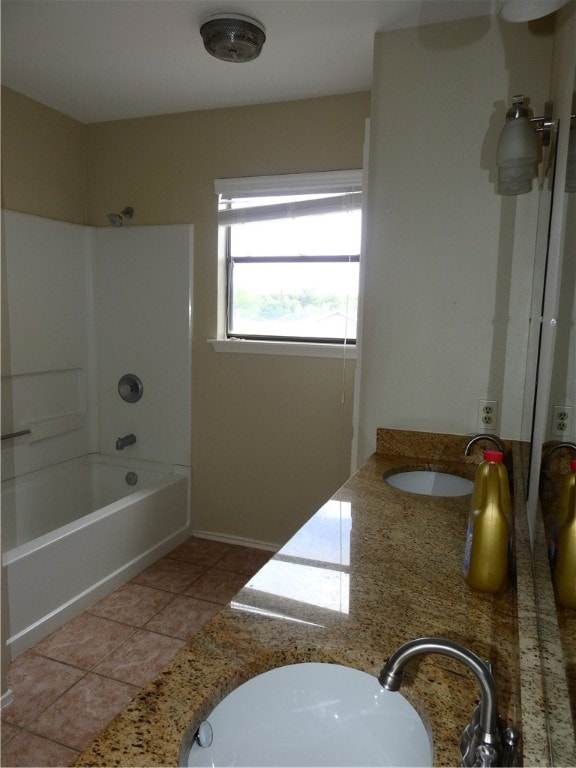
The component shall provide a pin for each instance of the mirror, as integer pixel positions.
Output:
(557, 623)
(563, 383)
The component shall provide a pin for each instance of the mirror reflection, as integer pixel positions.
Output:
(555, 544)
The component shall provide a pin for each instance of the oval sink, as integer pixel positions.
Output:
(311, 714)
(430, 483)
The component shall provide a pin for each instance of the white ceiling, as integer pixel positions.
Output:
(98, 60)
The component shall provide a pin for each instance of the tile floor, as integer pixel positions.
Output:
(71, 684)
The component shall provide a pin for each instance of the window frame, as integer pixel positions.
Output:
(348, 183)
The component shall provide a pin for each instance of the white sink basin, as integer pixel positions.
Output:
(430, 483)
(312, 715)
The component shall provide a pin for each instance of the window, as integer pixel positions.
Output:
(292, 248)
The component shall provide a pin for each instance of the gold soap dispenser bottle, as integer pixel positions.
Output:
(563, 559)
(489, 539)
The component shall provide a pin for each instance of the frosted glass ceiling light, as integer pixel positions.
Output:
(517, 153)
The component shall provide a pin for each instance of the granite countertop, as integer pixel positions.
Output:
(373, 568)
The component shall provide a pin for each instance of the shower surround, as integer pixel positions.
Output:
(82, 307)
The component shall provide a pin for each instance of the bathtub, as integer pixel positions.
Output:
(74, 532)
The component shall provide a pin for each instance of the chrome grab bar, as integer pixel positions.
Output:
(12, 435)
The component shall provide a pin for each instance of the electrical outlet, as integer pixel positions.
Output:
(487, 415)
(562, 416)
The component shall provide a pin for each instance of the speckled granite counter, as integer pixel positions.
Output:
(373, 568)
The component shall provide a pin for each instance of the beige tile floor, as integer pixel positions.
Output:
(71, 684)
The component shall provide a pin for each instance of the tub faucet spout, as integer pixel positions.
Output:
(482, 742)
(122, 442)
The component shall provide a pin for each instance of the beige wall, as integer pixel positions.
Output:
(271, 436)
(43, 160)
(449, 262)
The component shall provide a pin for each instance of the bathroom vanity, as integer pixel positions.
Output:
(373, 568)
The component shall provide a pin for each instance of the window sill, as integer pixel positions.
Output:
(294, 348)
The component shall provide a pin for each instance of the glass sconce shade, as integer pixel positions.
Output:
(517, 144)
(516, 157)
(515, 181)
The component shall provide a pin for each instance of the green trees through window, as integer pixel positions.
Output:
(293, 259)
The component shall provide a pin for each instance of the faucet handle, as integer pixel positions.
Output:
(486, 755)
(467, 740)
(511, 747)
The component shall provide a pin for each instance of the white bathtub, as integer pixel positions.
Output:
(74, 532)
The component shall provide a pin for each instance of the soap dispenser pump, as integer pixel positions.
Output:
(489, 539)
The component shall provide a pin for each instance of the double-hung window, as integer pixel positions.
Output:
(292, 251)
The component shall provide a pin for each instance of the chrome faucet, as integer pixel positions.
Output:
(546, 483)
(483, 743)
(491, 438)
(556, 446)
(122, 442)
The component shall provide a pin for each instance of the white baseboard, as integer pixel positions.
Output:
(6, 698)
(238, 540)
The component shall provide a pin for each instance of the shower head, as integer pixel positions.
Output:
(116, 219)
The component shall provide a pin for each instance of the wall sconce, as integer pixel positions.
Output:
(517, 153)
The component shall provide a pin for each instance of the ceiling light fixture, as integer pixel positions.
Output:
(232, 37)
(529, 10)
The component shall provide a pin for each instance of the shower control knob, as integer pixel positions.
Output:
(130, 388)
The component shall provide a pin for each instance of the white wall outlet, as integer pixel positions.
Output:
(562, 420)
(487, 415)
